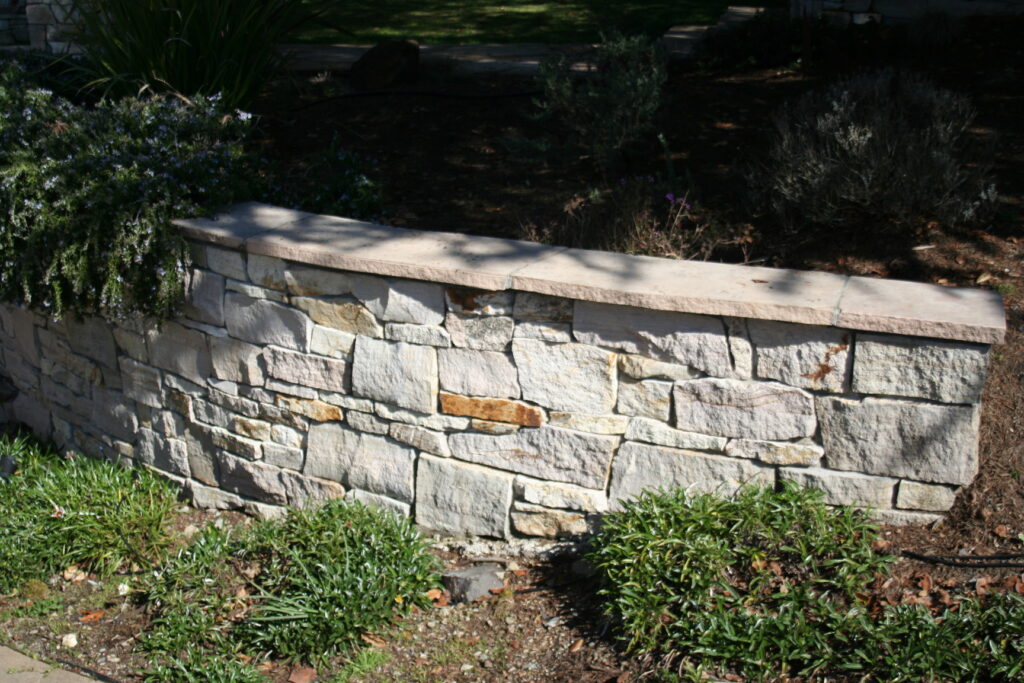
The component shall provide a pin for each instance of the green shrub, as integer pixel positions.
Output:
(87, 195)
(305, 588)
(881, 146)
(612, 105)
(56, 512)
(191, 47)
(761, 582)
(771, 584)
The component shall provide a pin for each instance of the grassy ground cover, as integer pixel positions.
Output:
(511, 21)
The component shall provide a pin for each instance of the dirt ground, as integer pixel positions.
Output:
(443, 164)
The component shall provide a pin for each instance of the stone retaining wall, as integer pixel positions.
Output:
(503, 388)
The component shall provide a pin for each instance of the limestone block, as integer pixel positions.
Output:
(267, 271)
(307, 281)
(131, 344)
(740, 347)
(543, 308)
(92, 338)
(492, 410)
(23, 325)
(236, 361)
(397, 373)
(307, 370)
(566, 377)
(682, 338)
(314, 409)
(657, 432)
(114, 415)
(340, 313)
(234, 444)
(347, 402)
(306, 493)
(424, 335)
(421, 438)
(490, 427)
(843, 488)
(899, 438)
(742, 409)
(291, 389)
(227, 262)
(554, 495)
(363, 461)
(402, 301)
(641, 367)
(382, 502)
(283, 456)
(803, 453)
(29, 410)
(255, 291)
(168, 423)
(545, 453)
(211, 414)
(905, 517)
(459, 498)
(534, 520)
(648, 398)
(365, 422)
(441, 423)
(141, 383)
(287, 436)
(204, 301)
(639, 467)
(223, 385)
(484, 333)
(807, 356)
(251, 479)
(949, 372)
(596, 424)
(478, 301)
(168, 455)
(265, 322)
(210, 498)
(543, 331)
(328, 341)
(914, 495)
(251, 429)
(477, 373)
(202, 461)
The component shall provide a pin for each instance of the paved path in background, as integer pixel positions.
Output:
(17, 668)
(515, 59)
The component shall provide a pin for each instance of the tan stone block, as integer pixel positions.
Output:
(493, 409)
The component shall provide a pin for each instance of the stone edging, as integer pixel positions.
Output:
(815, 298)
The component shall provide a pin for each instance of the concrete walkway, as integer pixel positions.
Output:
(17, 668)
(516, 59)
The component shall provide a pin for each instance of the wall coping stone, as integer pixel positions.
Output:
(813, 298)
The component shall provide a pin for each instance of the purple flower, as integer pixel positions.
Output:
(671, 198)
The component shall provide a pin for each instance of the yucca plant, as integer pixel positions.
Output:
(186, 47)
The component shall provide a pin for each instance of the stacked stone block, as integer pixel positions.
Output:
(491, 413)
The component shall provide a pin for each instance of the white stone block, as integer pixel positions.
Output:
(648, 398)
(554, 495)
(328, 341)
(566, 377)
(236, 361)
(657, 432)
(397, 373)
(204, 301)
(141, 383)
(260, 321)
(544, 331)
(307, 370)
(534, 520)
(227, 262)
(403, 301)
(914, 495)
(803, 453)
(421, 439)
(340, 313)
(843, 488)
(595, 424)
(641, 367)
(365, 422)
(477, 373)
(459, 498)
(180, 350)
(485, 333)
(424, 335)
(742, 409)
(807, 356)
(948, 372)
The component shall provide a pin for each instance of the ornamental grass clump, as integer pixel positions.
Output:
(87, 195)
(873, 148)
(305, 589)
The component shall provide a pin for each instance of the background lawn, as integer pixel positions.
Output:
(510, 21)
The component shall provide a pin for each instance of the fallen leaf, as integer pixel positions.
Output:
(776, 568)
(983, 278)
(373, 640)
(434, 594)
(880, 544)
(1002, 531)
(243, 658)
(760, 282)
(981, 585)
(1018, 586)
(302, 674)
(91, 617)
(759, 564)
(520, 572)
(74, 574)
(925, 584)
(265, 667)
(576, 646)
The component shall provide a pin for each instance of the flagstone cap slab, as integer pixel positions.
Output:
(490, 263)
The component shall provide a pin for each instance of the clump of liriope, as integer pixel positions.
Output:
(87, 195)
(305, 588)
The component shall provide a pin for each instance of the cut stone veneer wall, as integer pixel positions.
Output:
(845, 12)
(499, 388)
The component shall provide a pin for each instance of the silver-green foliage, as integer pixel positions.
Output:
(876, 146)
(612, 104)
(87, 194)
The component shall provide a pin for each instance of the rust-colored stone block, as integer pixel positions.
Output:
(494, 409)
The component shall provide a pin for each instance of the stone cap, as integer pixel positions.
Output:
(808, 297)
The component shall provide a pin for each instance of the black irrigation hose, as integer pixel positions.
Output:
(421, 93)
(997, 561)
(76, 668)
